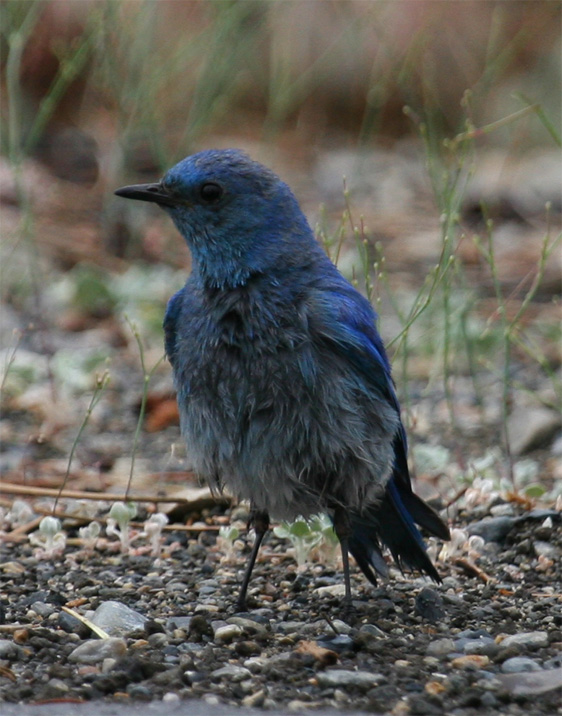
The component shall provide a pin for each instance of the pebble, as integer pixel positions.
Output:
(96, 650)
(371, 631)
(492, 529)
(42, 609)
(336, 642)
(232, 673)
(255, 664)
(341, 627)
(485, 646)
(9, 650)
(517, 664)
(55, 689)
(429, 605)
(530, 684)
(255, 700)
(527, 640)
(545, 549)
(530, 428)
(249, 626)
(228, 632)
(170, 698)
(440, 647)
(346, 678)
(336, 590)
(470, 661)
(117, 619)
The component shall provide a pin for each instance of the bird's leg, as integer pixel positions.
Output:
(342, 529)
(260, 522)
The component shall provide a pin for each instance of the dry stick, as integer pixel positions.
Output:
(12, 489)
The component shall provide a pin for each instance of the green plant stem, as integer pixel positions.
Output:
(101, 383)
(147, 375)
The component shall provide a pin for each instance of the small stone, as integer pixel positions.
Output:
(440, 647)
(232, 673)
(531, 684)
(178, 623)
(9, 650)
(421, 706)
(429, 605)
(530, 428)
(254, 700)
(42, 609)
(545, 549)
(335, 590)
(96, 650)
(139, 692)
(346, 678)
(55, 689)
(170, 698)
(117, 619)
(228, 633)
(492, 529)
(483, 645)
(336, 642)
(341, 627)
(471, 661)
(518, 664)
(371, 631)
(527, 640)
(255, 664)
(434, 688)
(249, 626)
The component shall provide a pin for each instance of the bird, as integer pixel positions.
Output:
(283, 384)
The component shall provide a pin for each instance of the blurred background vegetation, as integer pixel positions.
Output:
(443, 118)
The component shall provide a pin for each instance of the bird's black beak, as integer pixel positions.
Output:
(155, 193)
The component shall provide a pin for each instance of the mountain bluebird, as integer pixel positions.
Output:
(283, 384)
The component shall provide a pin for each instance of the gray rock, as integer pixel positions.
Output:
(545, 549)
(517, 664)
(440, 647)
(532, 684)
(371, 631)
(345, 678)
(117, 619)
(527, 640)
(9, 650)
(232, 673)
(42, 609)
(96, 650)
(429, 605)
(55, 688)
(178, 623)
(248, 626)
(228, 632)
(492, 529)
(531, 428)
(485, 646)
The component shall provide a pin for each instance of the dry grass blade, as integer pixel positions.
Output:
(99, 632)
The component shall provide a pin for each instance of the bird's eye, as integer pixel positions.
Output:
(210, 192)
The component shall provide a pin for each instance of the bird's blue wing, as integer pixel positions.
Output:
(347, 321)
(171, 316)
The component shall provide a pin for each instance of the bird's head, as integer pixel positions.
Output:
(236, 215)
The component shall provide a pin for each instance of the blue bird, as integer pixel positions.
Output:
(284, 388)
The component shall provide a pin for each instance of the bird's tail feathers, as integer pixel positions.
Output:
(392, 523)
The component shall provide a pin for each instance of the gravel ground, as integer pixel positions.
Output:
(487, 639)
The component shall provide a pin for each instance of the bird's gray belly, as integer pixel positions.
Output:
(289, 444)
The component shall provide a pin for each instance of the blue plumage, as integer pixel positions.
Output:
(284, 387)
